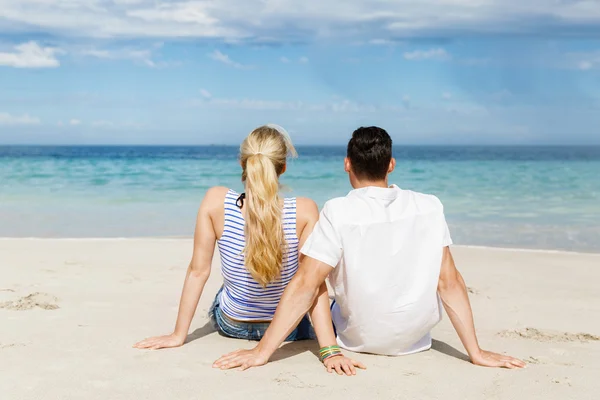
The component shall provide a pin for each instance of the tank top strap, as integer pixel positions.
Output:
(232, 211)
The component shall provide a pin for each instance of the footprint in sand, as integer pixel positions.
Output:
(475, 292)
(44, 301)
(563, 381)
(6, 346)
(410, 373)
(292, 380)
(533, 360)
(548, 336)
(545, 361)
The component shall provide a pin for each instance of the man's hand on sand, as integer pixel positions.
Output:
(490, 359)
(160, 342)
(243, 359)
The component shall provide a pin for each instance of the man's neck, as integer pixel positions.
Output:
(363, 184)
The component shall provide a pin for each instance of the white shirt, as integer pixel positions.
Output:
(386, 246)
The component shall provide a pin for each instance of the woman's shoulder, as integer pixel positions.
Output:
(306, 208)
(217, 191)
(215, 196)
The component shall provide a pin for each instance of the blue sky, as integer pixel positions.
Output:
(208, 72)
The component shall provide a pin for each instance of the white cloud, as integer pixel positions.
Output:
(127, 2)
(337, 105)
(139, 56)
(133, 125)
(285, 20)
(468, 109)
(75, 122)
(384, 42)
(23, 119)
(301, 60)
(583, 61)
(431, 54)
(406, 101)
(205, 93)
(256, 104)
(98, 53)
(224, 58)
(102, 124)
(105, 124)
(30, 55)
(446, 95)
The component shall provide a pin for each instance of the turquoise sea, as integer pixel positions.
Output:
(520, 197)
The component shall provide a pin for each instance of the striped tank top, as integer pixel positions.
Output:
(243, 298)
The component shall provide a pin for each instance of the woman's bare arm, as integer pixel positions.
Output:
(197, 274)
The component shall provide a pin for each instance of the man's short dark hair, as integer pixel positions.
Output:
(370, 153)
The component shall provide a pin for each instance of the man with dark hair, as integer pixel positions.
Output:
(385, 251)
(370, 153)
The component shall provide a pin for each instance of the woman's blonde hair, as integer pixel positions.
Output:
(263, 156)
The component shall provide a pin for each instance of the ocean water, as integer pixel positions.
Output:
(519, 197)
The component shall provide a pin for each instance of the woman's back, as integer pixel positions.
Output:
(242, 297)
(258, 242)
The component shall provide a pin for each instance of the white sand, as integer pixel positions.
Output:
(71, 309)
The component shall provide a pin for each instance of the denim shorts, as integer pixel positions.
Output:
(253, 330)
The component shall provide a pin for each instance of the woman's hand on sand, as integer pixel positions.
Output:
(243, 359)
(160, 342)
(342, 365)
(490, 359)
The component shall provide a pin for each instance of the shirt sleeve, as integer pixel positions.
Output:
(324, 243)
(446, 239)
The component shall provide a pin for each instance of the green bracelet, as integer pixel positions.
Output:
(329, 348)
(333, 354)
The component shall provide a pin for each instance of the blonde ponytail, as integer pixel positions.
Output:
(263, 157)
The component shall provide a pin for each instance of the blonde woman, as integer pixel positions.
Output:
(258, 235)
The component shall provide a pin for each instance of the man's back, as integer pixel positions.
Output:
(387, 244)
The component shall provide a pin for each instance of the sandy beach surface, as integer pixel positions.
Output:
(70, 311)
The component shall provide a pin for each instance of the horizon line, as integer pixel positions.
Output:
(306, 145)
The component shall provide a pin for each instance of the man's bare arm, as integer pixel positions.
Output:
(453, 292)
(297, 299)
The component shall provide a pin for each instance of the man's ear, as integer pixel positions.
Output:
(392, 166)
(347, 165)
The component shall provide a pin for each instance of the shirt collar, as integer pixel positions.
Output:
(377, 192)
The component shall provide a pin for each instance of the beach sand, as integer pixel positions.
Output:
(70, 310)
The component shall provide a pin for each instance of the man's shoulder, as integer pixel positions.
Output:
(337, 203)
(423, 199)
(336, 206)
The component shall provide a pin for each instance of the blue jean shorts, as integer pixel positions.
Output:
(253, 330)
